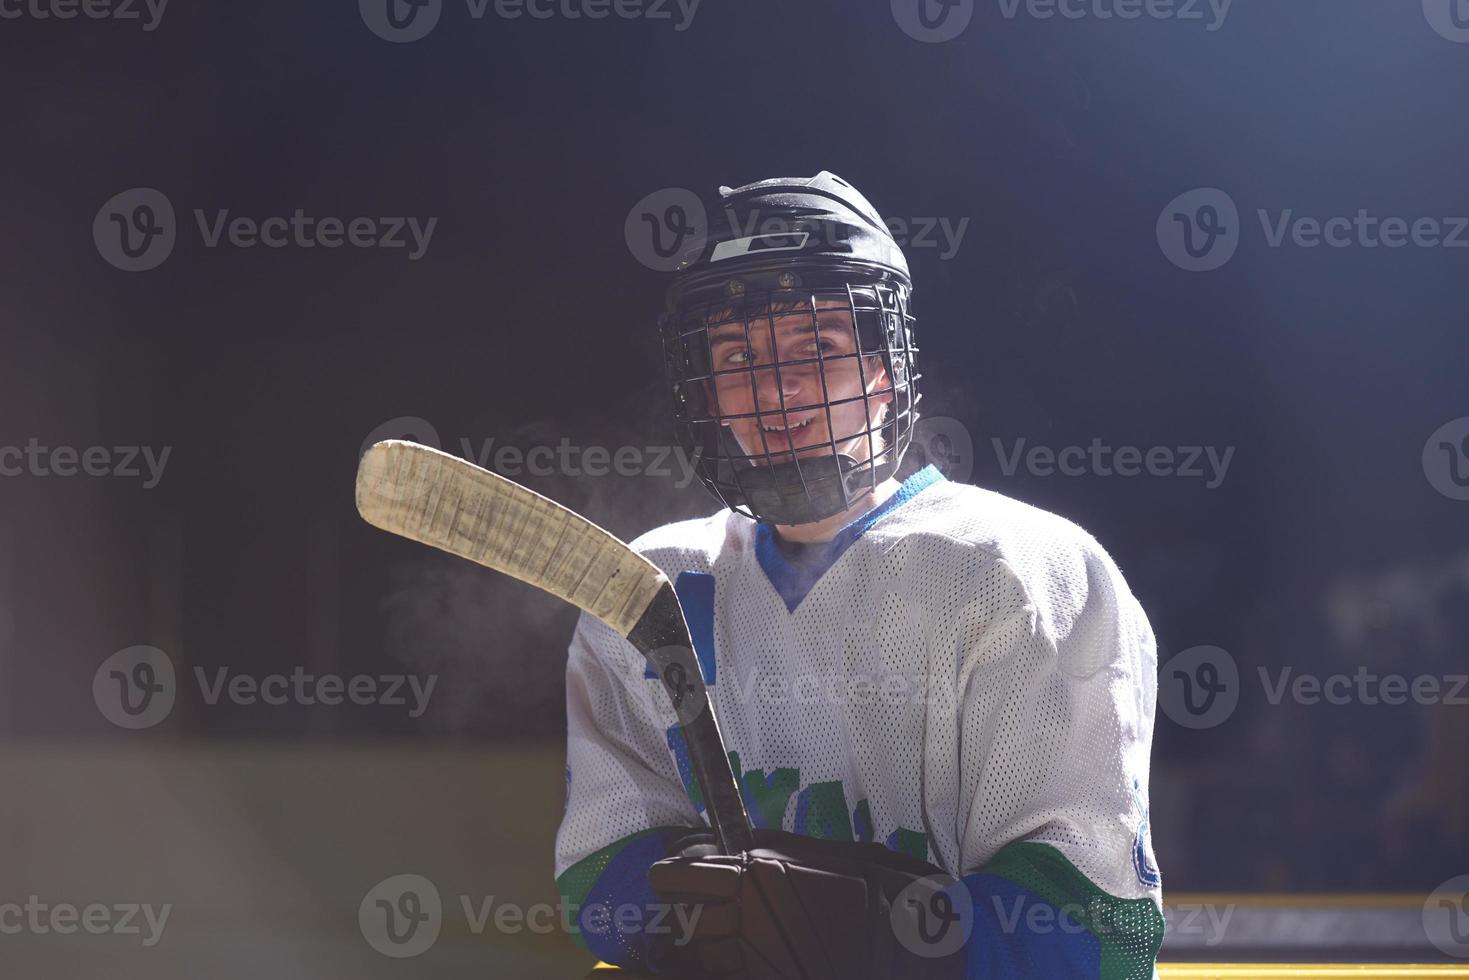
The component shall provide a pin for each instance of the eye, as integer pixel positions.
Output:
(739, 355)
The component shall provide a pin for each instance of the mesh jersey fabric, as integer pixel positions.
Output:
(970, 681)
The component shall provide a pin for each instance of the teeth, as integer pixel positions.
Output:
(781, 428)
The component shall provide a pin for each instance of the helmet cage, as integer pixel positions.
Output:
(798, 485)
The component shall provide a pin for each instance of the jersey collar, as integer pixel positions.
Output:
(794, 577)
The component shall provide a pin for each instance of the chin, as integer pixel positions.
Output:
(801, 453)
(816, 446)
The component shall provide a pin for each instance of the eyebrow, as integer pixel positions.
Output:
(824, 324)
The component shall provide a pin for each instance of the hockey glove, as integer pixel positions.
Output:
(798, 908)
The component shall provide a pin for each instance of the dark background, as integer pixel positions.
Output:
(1058, 320)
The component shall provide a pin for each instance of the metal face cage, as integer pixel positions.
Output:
(736, 343)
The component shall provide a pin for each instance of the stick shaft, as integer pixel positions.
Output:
(663, 638)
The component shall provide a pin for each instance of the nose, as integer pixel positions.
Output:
(768, 393)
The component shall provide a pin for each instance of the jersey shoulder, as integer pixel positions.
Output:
(692, 545)
(1066, 575)
(1010, 529)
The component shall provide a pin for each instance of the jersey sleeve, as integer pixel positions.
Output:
(625, 801)
(1056, 729)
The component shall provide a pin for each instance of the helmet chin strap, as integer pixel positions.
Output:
(777, 494)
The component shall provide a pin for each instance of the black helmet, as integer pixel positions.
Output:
(812, 252)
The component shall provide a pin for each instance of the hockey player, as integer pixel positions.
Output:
(938, 701)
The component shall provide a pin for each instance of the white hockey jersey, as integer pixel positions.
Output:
(957, 675)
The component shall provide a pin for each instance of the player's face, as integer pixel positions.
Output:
(808, 350)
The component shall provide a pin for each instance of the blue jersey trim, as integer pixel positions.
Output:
(624, 882)
(794, 579)
(1016, 933)
(695, 592)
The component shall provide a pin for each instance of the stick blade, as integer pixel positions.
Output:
(431, 497)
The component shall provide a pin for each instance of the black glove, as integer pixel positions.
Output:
(798, 908)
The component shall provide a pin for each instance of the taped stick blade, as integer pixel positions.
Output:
(431, 497)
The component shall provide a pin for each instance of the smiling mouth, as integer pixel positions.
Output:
(782, 429)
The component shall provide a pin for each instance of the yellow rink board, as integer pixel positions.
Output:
(1284, 971)
(1305, 971)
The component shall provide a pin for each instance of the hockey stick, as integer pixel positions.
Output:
(444, 502)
